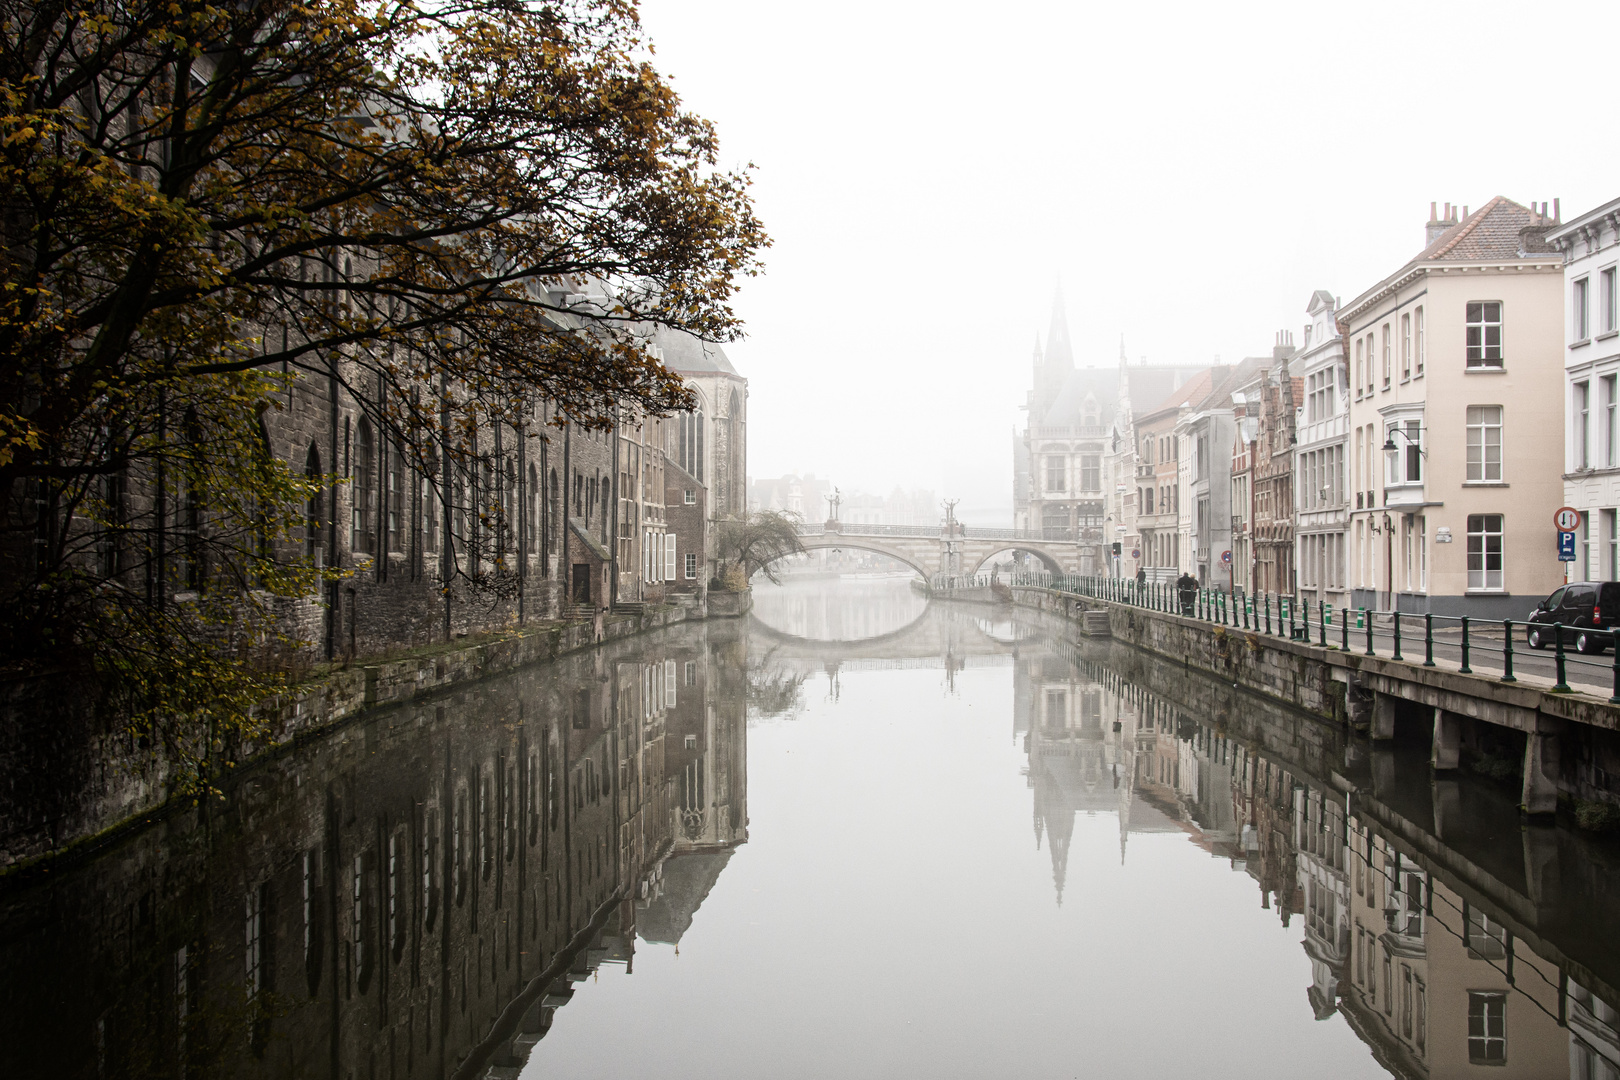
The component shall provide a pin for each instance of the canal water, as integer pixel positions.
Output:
(855, 835)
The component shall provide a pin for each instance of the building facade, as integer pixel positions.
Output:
(1322, 497)
(1456, 419)
(1590, 245)
(1060, 484)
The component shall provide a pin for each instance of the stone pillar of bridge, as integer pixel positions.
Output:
(1447, 799)
(1541, 873)
(1381, 763)
(1447, 747)
(1383, 715)
(1540, 773)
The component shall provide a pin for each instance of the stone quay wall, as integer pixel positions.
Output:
(70, 780)
(1567, 745)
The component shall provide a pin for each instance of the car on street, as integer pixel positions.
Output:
(1588, 611)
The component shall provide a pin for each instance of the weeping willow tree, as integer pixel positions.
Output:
(205, 201)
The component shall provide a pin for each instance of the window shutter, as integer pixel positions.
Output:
(669, 557)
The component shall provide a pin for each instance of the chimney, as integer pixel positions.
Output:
(1557, 214)
(1437, 226)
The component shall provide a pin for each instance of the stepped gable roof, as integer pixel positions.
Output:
(1234, 377)
(685, 353)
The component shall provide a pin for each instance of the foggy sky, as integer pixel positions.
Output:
(929, 171)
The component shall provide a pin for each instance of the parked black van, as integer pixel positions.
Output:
(1580, 606)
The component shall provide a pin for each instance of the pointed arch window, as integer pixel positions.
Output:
(312, 506)
(365, 485)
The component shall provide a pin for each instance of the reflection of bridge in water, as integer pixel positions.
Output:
(938, 635)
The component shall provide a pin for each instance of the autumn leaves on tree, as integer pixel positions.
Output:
(203, 201)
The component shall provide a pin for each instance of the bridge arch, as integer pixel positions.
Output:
(828, 541)
(1053, 564)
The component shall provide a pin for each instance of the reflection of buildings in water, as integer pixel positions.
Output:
(373, 902)
(1427, 972)
(853, 611)
(1098, 744)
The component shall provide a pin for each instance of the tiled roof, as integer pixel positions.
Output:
(1501, 229)
(1192, 390)
(1494, 231)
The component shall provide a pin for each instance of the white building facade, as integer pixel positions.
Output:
(1321, 488)
(1591, 247)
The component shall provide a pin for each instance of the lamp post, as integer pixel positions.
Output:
(1412, 433)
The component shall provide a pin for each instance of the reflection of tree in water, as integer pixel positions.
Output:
(773, 689)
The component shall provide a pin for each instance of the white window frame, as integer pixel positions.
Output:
(1056, 467)
(669, 556)
(1608, 301)
(1480, 424)
(1408, 457)
(1609, 522)
(1406, 348)
(691, 566)
(1487, 1027)
(1422, 344)
(1483, 578)
(1388, 360)
(1581, 428)
(1477, 346)
(1610, 393)
(1580, 310)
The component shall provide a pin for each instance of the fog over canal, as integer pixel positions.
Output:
(855, 835)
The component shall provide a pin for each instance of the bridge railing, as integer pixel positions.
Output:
(846, 528)
(1457, 642)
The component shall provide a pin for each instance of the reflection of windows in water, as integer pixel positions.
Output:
(1588, 1064)
(1487, 938)
(1407, 918)
(1323, 912)
(1487, 1027)
(691, 799)
(1057, 707)
(1421, 1017)
(582, 709)
(1091, 709)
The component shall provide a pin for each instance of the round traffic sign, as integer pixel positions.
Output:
(1226, 556)
(1568, 519)
(1136, 553)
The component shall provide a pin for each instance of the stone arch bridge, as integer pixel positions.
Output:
(932, 549)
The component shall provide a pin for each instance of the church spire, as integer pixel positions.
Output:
(1059, 352)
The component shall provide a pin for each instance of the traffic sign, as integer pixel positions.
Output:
(1566, 547)
(1567, 519)
(1136, 553)
(1226, 556)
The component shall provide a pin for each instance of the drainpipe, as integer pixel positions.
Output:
(567, 489)
(613, 551)
(332, 512)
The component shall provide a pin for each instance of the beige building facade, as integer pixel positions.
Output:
(1456, 420)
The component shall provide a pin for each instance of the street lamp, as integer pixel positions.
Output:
(1389, 446)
